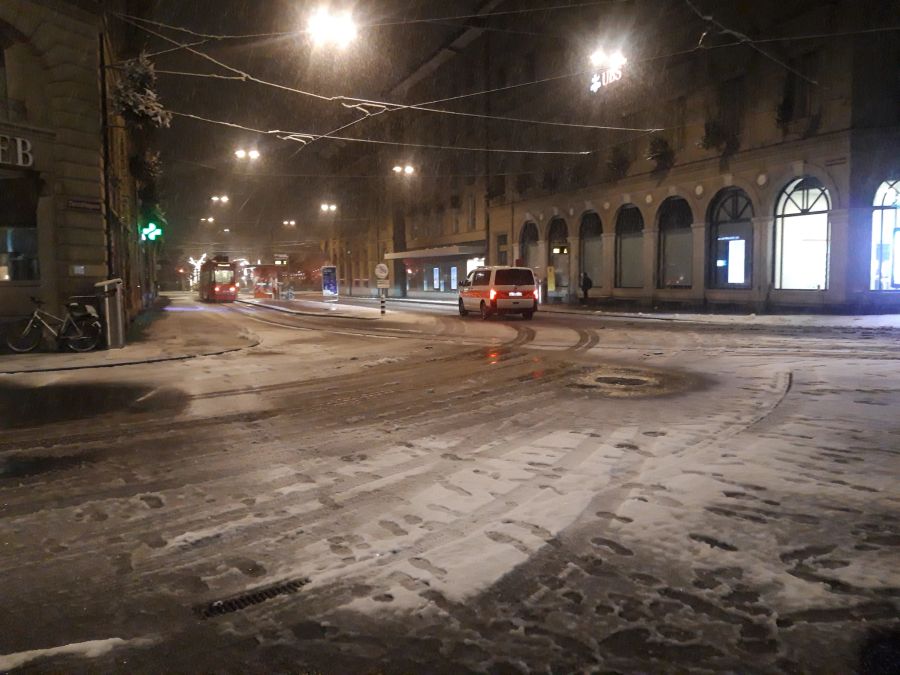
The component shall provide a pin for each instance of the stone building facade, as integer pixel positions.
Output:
(773, 182)
(64, 179)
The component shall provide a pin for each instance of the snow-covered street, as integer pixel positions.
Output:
(426, 493)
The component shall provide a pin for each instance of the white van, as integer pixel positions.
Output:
(499, 290)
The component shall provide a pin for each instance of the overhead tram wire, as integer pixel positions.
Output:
(438, 19)
(301, 136)
(387, 106)
(745, 39)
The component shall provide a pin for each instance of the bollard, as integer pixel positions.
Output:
(382, 304)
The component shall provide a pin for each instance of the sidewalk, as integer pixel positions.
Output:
(873, 321)
(177, 328)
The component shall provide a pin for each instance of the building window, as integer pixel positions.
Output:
(18, 229)
(629, 247)
(886, 237)
(676, 244)
(591, 236)
(731, 240)
(529, 245)
(802, 236)
(502, 249)
(558, 239)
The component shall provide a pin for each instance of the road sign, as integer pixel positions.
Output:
(381, 272)
(383, 283)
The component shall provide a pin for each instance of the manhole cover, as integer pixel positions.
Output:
(622, 381)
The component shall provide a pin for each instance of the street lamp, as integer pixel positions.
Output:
(407, 169)
(226, 230)
(208, 220)
(240, 153)
(336, 29)
(220, 198)
(328, 207)
(289, 223)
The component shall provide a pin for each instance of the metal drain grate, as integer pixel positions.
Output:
(249, 599)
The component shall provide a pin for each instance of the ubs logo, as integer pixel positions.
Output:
(16, 151)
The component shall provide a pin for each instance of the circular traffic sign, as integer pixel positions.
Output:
(381, 271)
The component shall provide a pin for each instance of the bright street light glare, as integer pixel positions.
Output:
(324, 207)
(408, 169)
(332, 207)
(240, 154)
(209, 220)
(253, 154)
(612, 61)
(214, 198)
(224, 199)
(293, 222)
(398, 169)
(226, 230)
(327, 28)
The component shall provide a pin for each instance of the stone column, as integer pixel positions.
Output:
(651, 261)
(699, 252)
(574, 269)
(609, 262)
(838, 255)
(763, 254)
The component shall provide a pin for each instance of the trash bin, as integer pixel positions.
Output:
(113, 304)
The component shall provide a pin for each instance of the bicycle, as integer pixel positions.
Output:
(80, 330)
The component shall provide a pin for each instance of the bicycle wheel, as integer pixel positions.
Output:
(24, 336)
(84, 335)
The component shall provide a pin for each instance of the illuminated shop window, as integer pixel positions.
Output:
(886, 238)
(802, 236)
(18, 229)
(731, 240)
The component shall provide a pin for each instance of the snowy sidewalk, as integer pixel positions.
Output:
(872, 321)
(178, 328)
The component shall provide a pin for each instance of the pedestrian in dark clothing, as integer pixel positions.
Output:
(586, 285)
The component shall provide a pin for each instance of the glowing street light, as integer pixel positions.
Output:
(609, 68)
(289, 223)
(240, 153)
(226, 230)
(407, 169)
(336, 29)
(220, 198)
(208, 220)
(328, 207)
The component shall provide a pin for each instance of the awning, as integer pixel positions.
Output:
(439, 252)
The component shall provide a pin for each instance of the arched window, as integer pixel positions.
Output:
(558, 244)
(528, 245)
(676, 244)
(629, 247)
(802, 236)
(591, 236)
(886, 237)
(730, 240)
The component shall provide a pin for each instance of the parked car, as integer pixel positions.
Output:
(499, 290)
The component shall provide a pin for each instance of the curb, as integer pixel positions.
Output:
(161, 359)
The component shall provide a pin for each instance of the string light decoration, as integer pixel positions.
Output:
(196, 264)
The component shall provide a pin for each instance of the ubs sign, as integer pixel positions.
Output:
(16, 151)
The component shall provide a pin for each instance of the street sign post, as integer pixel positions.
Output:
(383, 283)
